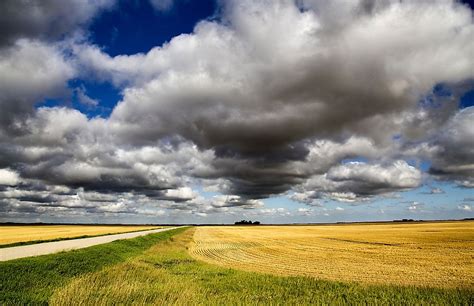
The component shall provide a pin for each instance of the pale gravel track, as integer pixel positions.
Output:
(66, 245)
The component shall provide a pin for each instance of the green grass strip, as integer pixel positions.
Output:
(32, 280)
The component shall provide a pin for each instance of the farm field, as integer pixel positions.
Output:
(158, 269)
(17, 234)
(415, 254)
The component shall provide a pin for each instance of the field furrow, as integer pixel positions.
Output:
(422, 254)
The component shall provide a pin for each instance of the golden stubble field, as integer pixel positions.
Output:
(24, 233)
(422, 254)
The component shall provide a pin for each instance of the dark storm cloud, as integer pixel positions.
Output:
(454, 154)
(271, 98)
(30, 71)
(179, 195)
(235, 201)
(44, 19)
(94, 173)
(256, 97)
(358, 182)
(34, 64)
(251, 178)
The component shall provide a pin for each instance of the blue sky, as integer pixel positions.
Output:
(215, 111)
(135, 27)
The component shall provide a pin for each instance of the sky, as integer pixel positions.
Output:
(214, 111)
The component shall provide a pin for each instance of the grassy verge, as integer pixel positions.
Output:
(33, 280)
(21, 243)
(166, 274)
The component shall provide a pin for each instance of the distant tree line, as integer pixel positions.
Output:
(245, 222)
(405, 220)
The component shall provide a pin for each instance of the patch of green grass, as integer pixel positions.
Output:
(21, 243)
(33, 280)
(166, 274)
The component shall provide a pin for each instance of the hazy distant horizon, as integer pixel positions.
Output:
(213, 111)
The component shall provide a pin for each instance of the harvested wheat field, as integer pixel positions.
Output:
(421, 254)
(24, 233)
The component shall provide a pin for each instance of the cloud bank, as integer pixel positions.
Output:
(273, 98)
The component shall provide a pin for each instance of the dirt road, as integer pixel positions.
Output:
(65, 245)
